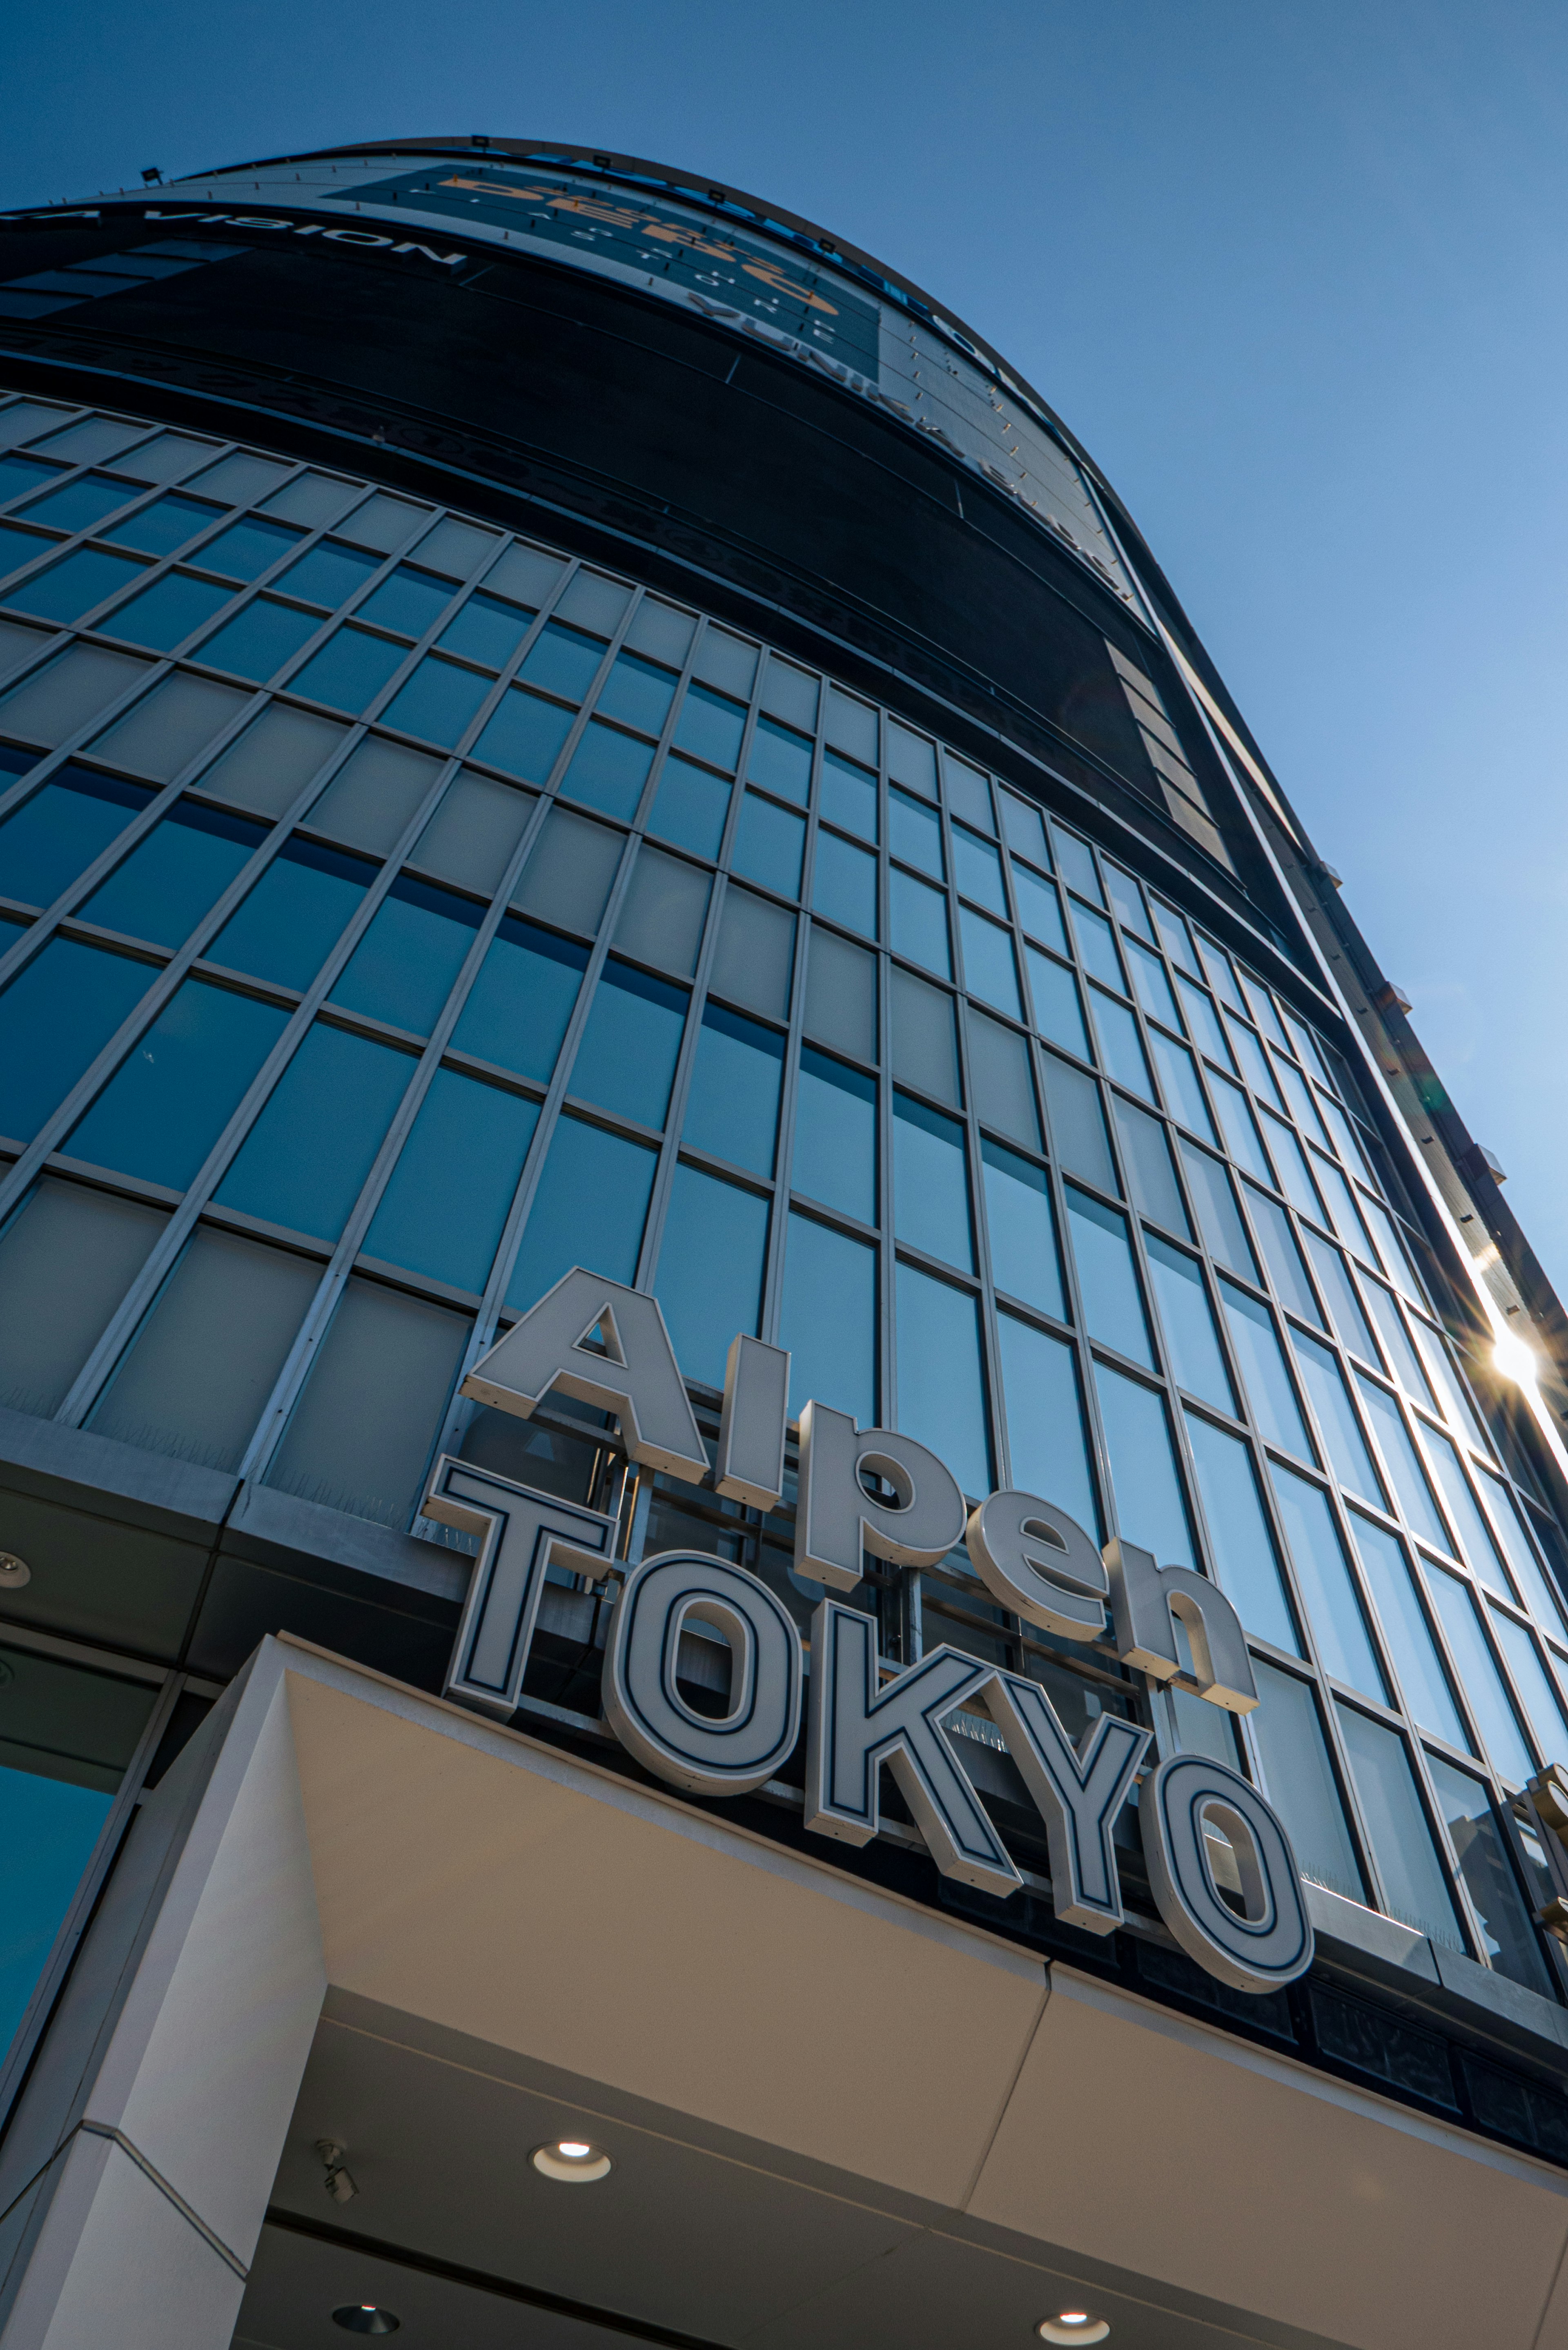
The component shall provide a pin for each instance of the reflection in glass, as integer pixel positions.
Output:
(1262, 1362)
(1047, 1441)
(710, 1275)
(1490, 1880)
(1149, 1508)
(626, 1061)
(942, 1394)
(836, 1136)
(930, 1183)
(1479, 1676)
(286, 927)
(828, 1320)
(1244, 1547)
(1282, 1256)
(1219, 1218)
(1541, 1702)
(1121, 1051)
(1191, 1342)
(517, 1009)
(1422, 1675)
(1323, 1572)
(732, 1107)
(402, 969)
(1337, 1425)
(1057, 1011)
(1414, 1885)
(1021, 1225)
(1409, 1478)
(175, 874)
(445, 1203)
(1301, 1782)
(171, 1098)
(589, 1209)
(305, 1160)
(1107, 1282)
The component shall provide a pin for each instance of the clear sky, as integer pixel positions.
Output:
(1293, 271)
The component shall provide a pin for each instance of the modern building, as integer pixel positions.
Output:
(567, 740)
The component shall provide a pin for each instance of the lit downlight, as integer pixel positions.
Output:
(1073, 2326)
(572, 2161)
(364, 2317)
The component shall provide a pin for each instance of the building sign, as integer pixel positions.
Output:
(871, 1490)
(654, 240)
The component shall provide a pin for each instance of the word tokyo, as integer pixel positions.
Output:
(868, 1490)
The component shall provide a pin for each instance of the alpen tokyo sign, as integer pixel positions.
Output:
(868, 1489)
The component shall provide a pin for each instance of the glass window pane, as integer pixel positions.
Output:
(518, 1007)
(828, 1320)
(1203, 1023)
(732, 1107)
(1058, 1012)
(1179, 1080)
(1219, 1218)
(1078, 1123)
(438, 701)
(329, 574)
(607, 770)
(165, 1106)
(486, 629)
(1107, 1282)
(1260, 1360)
(264, 635)
(589, 1210)
(1476, 1543)
(1047, 1439)
(66, 591)
(402, 969)
(1409, 1478)
(941, 1393)
(914, 830)
(1282, 1256)
(1240, 1128)
(305, 1161)
(1150, 1511)
(836, 1136)
(1146, 1155)
(1493, 1888)
(710, 1275)
(849, 796)
(407, 600)
(1423, 1678)
(164, 615)
(1479, 1676)
(989, 971)
(1540, 1594)
(1414, 1885)
(55, 1016)
(1174, 936)
(1039, 910)
(563, 660)
(1192, 1345)
(1343, 1302)
(57, 833)
(844, 884)
(1542, 1705)
(1151, 985)
(711, 726)
(627, 1058)
(525, 736)
(242, 551)
(1244, 1547)
(349, 671)
(360, 1436)
(296, 914)
(442, 1211)
(689, 808)
(968, 794)
(1450, 1388)
(167, 522)
(175, 874)
(66, 1259)
(1097, 947)
(638, 692)
(1127, 899)
(1075, 862)
(1021, 1224)
(1121, 1051)
(918, 920)
(1397, 1349)
(1328, 1585)
(1254, 1062)
(1342, 1210)
(1025, 828)
(781, 763)
(1336, 1421)
(977, 871)
(770, 842)
(1302, 1101)
(930, 1183)
(1300, 1784)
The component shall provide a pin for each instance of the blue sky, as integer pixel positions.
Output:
(1294, 273)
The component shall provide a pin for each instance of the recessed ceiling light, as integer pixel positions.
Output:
(1073, 2326)
(571, 2160)
(364, 2317)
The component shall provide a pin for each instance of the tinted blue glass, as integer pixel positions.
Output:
(518, 1007)
(1476, 1543)
(1261, 1364)
(19, 474)
(284, 929)
(637, 692)
(1097, 947)
(1427, 1696)
(1409, 1478)
(1120, 1050)
(769, 845)
(690, 806)
(836, 1136)
(710, 725)
(81, 503)
(1290, 1165)
(989, 968)
(1301, 1783)
(525, 736)
(1203, 1023)
(732, 1109)
(977, 871)
(1107, 1284)
(1243, 1548)
(307, 1157)
(1151, 986)
(329, 574)
(1127, 899)
(167, 524)
(1254, 1062)
(1046, 1438)
(589, 1209)
(918, 920)
(564, 661)
(1479, 1676)
(942, 1394)
(710, 1276)
(438, 701)
(608, 770)
(626, 1061)
(168, 1102)
(56, 833)
(242, 552)
(66, 591)
(843, 885)
(1191, 1342)
(1302, 1103)
(407, 600)
(1178, 1080)
(1078, 1123)
(174, 873)
(828, 1320)
(17, 547)
(1542, 1706)
(487, 630)
(402, 969)
(441, 1213)
(1283, 1256)
(1039, 910)
(349, 671)
(781, 761)
(849, 796)
(1219, 1218)
(55, 1016)
(1058, 1014)
(1149, 1508)
(1021, 1226)
(47, 1830)
(930, 1183)
(1337, 1425)
(1239, 1127)
(165, 615)
(260, 639)
(915, 833)
(1324, 1576)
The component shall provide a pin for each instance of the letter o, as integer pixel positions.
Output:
(735, 1752)
(1273, 1943)
(353, 236)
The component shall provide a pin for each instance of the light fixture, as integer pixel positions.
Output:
(1073, 2326)
(14, 1571)
(571, 2160)
(1515, 1360)
(364, 2317)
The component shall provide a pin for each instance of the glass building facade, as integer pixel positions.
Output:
(430, 862)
